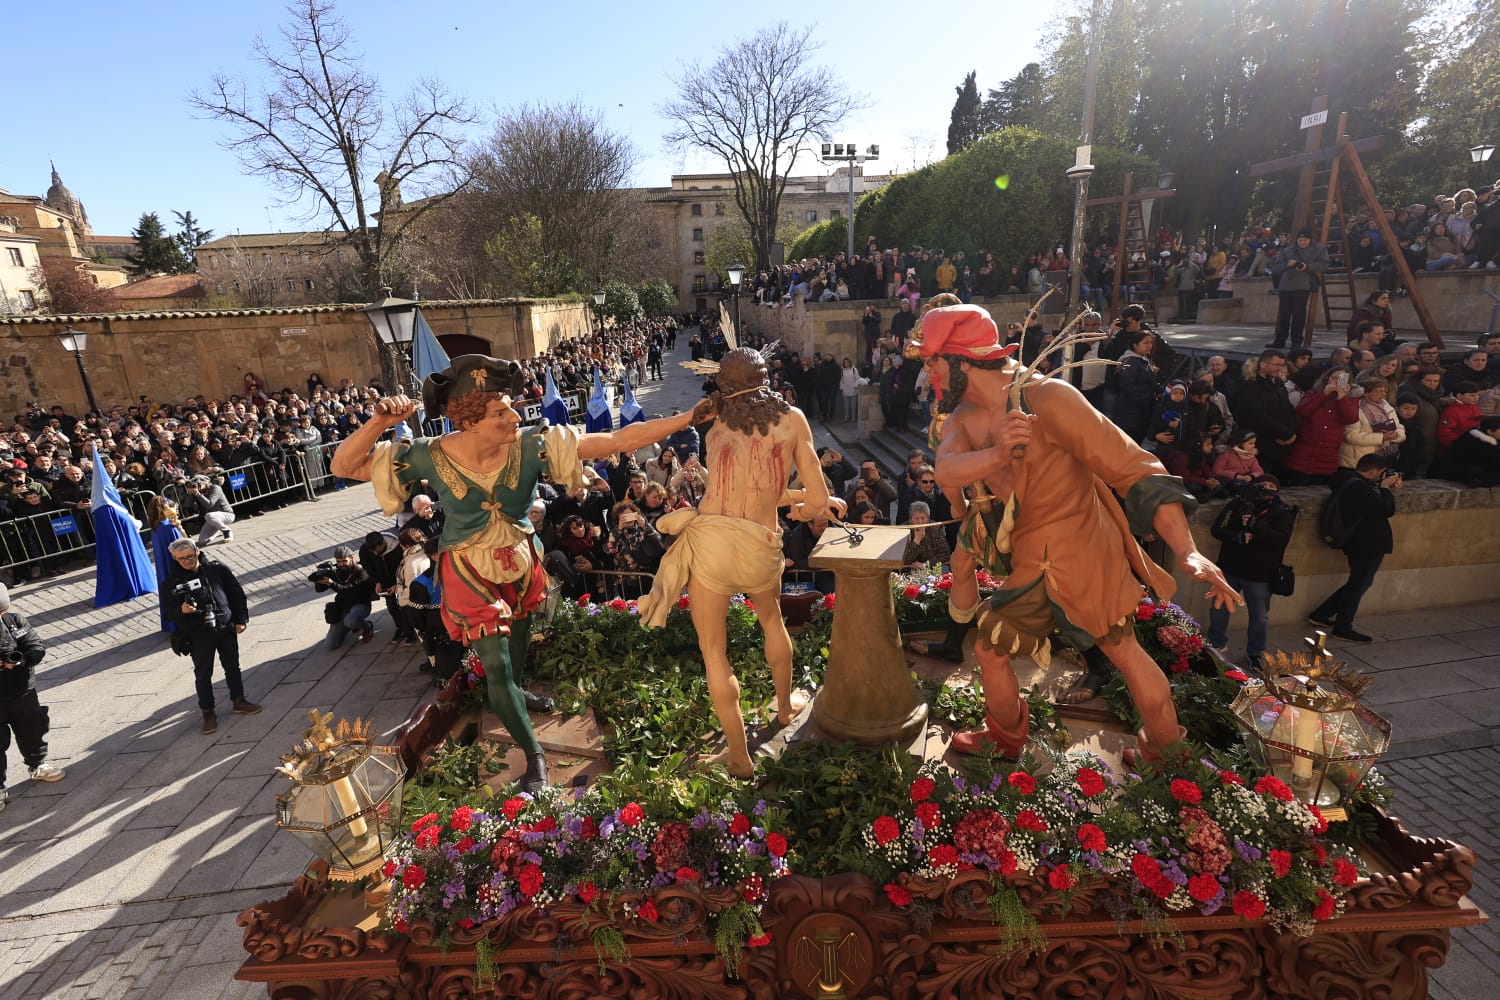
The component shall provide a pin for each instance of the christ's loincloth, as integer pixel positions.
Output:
(727, 555)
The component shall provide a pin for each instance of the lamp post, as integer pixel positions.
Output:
(736, 275)
(76, 341)
(394, 321)
(848, 153)
(599, 298)
(1479, 155)
(1082, 169)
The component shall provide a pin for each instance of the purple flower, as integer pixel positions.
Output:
(1248, 852)
(760, 808)
(701, 821)
(661, 880)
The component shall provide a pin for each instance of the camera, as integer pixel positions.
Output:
(193, 592)
(326, 566)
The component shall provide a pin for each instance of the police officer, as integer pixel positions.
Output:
(211, 616)
(20, 712)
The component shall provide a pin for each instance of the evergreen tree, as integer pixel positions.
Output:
(189, 237)
(155, 251)
(1021, 100)
(965, 126)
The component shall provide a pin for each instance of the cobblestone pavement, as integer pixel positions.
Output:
(123, 880)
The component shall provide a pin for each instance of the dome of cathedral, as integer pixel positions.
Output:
(64, 202)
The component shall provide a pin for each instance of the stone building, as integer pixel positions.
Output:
(694, 205)
(278, 270)
(59, 224)
(19, 259)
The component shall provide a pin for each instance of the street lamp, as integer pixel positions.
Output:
(599, 298)
(76, 341)
(736, 275)
(848, 153)
(394, 322)
(1479, 155)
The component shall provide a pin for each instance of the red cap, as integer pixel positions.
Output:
(967, 331)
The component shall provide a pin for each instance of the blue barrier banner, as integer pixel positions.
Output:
(64, 526)
(236, 480)
(795, 588)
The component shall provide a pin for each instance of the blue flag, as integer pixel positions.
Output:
(599, 418)
(554, 407)
(630, 410)
(427, 357)
(122, 567)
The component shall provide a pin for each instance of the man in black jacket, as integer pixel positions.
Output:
(353, 594)
(20, 711)
(1366, 503)
(1262, 405)
(208, 606)
(1253, 529)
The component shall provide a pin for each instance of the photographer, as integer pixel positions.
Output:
(353, 593)
(208, 606)
(1253, 530)
(1297, 274)
(205, 498)
(20, 711)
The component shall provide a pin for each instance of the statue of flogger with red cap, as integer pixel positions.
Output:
(1042, 462)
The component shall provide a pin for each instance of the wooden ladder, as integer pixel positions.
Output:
(1133, 266)
(1337, 286)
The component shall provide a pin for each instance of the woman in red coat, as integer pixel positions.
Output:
(1323, 413)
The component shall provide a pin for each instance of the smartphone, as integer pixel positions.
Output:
(1341, 380)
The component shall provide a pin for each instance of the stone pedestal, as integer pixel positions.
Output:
(867, 693)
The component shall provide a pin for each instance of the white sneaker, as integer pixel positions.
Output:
(46, 772)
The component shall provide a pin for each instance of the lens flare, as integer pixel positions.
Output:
(1002, 182)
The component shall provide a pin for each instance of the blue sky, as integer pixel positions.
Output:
(102, 86)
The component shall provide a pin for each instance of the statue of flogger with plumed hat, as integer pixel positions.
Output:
(1042, 462)
(487, 470)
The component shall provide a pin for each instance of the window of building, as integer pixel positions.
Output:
(28, 299)
(718, 208)
(834, 213)
(788, 215)
(236, 286)
(286, 259)
(265, 256)
(218, 287)
(698, 283)
(310, 285)
(697, 209)
(213, 262)
(291, 285)
(697, 236)
(697, 256)
(15, 257)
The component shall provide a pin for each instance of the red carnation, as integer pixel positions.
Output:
(1230, 778)
(943, 854)
(776, 844)
(513, 807)
(1026, 819)
(1237, 675)
(896, 894)
(544, 825)
(1091, 838)
(1281, 862)
(388, 869)
(477, 668)
(588, 892)
(1186, 791)
(1060, 878)
(618, 604)
(1326, 905)
(930, 814)
(1090, 782)
(828, 602)
(419, 824)
(686, 874)
(428, 837)
(588, 829)
(1344, 872)
(1145, 868)
(1144, 613)
(1007, 862)
(466, 923)
(585, 600)
(945, 584)
(886, 830)
(631, 814)
(466, 845)
(414, 876)
(1203, 887)
(463, 818)
(1022, 782)
(1248, 905)
(648, 912)
(739, 824)
(753, 889)
(911, 592)
(1180, 665)
(1274, 787)
(749, 604)
(760, 940)
(922, 789)
(1320, 854)
(1320, 824)
(529, 879)
(682, 603)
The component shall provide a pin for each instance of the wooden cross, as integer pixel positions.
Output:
(1124, 199)
(1305, 163)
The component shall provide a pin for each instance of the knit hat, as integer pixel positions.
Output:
(4, 597)
(343, 552)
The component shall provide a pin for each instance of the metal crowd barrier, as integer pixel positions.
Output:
(33, 544)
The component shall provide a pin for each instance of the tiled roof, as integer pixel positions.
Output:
(32, 319)
(162, 286)
(257, 241)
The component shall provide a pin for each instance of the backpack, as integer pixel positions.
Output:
(1332, 528)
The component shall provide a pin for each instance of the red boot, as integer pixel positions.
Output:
(1148, 753)
(1005, 742)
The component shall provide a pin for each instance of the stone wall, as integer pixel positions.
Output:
(1447, 552)
(172, 355)
(1456, 299)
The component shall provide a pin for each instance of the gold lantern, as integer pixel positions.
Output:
(345, 799)
(1306, 724)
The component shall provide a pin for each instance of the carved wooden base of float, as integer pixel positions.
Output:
(842, 937)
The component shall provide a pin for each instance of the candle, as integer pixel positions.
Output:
(1305, 738)
(344, 789)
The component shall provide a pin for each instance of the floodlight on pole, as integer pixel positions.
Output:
(848, 153)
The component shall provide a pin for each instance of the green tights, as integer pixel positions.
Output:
(504, 657)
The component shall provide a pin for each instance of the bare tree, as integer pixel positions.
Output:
(320, 131)
(756, 107)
